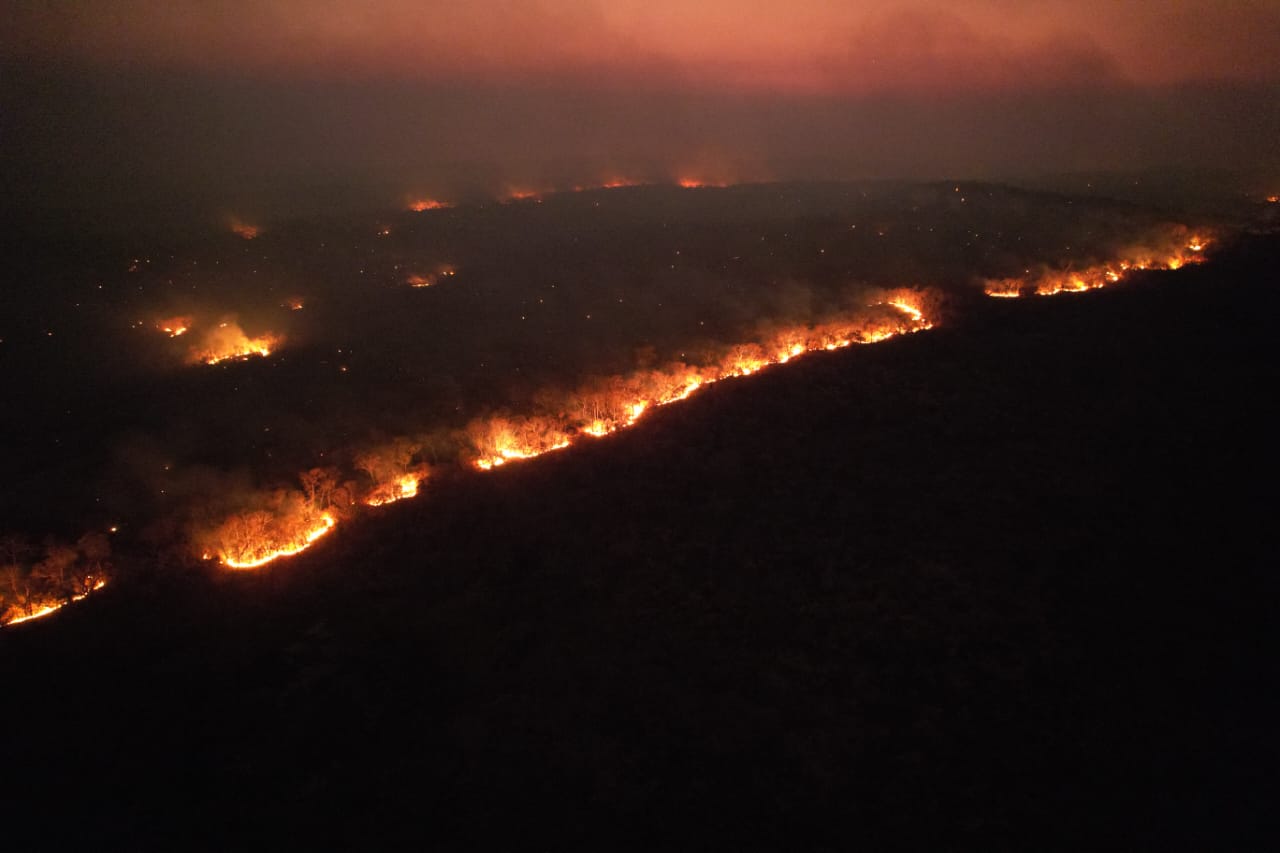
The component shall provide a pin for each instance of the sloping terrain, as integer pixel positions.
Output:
(1007, 583)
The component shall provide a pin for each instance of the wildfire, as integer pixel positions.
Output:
(1053, 282)
(404, 488)
(54, 606)
(620, 401)
(228, 342)
(417, 280)
(423, 204)
(522, 194)
(916, 315)
(245, 230)
(175, 326)
(1005, 288)
(288, 522)
(609, 184)
(698, 183)
(1274, 199)
(255, 554)
(293, 303)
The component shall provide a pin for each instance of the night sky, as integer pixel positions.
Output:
(256, 104)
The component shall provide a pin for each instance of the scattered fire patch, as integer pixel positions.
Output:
(175, 326)
(228, 342)
(38, 581)
(514, 194)
(431, 278)
(698, 183)
(245, 230)
(424, 204)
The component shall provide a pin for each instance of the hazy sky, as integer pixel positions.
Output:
(217, 98)
(796, 45)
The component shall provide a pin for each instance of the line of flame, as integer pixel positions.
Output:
(599, 428)
(508, 451)
(327, 523)
(1094, 277)
(54, 608)
(406, 487)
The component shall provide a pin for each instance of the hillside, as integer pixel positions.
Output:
(1004, 584)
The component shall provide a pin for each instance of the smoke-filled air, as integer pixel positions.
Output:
(239, 400)
(639, 424)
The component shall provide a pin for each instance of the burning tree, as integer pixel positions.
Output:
(31, 588)
(392, 469)
(1172, 249)
(279, 524)
(604, 405)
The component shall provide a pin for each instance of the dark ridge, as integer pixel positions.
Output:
(1007, 584)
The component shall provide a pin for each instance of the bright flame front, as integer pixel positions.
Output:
(1053, 282)
(621, 401)
(252, 555)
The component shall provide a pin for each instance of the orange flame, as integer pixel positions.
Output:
(244, 229)
(294, 521)
(404, 488)
(258, 554)
(175, 326)
(427, 280)
(229, 342)
(698, 183)
(622, 401)
(54, 606)
(522, 194)
(423, 204)
(1053, 282)
(609, 184)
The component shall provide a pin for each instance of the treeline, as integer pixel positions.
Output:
(36, 579)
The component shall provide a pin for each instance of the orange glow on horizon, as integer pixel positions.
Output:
(421, 205)
(610, 184)
(514, 194)
(804, 46)
(245, 230)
